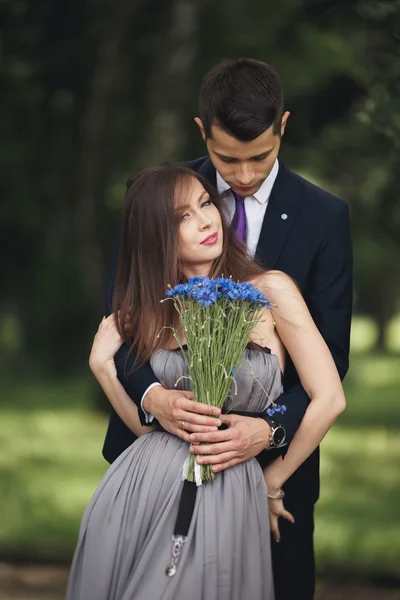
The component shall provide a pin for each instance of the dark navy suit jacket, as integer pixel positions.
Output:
(313, 246)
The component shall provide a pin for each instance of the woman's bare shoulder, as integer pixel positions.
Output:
(274, 281)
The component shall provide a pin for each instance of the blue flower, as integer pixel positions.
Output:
(206, 293)
(278, 408)
(230, 290)
(245, 292)
(182, 289)
(249, 293)
(225, 284)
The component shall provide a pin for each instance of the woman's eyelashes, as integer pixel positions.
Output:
(203, 204)
(206, 203)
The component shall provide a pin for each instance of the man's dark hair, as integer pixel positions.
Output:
(243, 96)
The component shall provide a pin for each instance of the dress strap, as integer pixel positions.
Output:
(182, 524)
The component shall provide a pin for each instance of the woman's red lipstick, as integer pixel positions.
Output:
(211, 239)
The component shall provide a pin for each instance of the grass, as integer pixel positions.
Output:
(50, 464)
(357, 524)
(358, 528)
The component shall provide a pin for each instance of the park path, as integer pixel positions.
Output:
(34, 582)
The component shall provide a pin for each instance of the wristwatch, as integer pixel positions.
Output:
(277, 434)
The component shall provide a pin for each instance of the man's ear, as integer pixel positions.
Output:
(199, 124)
(285, 117)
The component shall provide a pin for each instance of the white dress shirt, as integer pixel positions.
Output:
(255, 207)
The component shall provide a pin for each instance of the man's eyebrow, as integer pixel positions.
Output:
(262, 155)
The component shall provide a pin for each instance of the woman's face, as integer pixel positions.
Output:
(200, 235)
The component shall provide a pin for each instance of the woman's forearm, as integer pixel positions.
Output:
(119, 399)
(318, 419)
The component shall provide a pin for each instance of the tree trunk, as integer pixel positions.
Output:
(164, 139)
(107, 77)
(91, 180)
(385, 304)
(169, 85)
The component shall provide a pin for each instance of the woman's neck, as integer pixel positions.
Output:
(197, 271)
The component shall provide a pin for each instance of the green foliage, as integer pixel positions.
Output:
(358, 530)
(94, 92)
(50, 464)
(90, 93)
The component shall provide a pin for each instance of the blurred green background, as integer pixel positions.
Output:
(93, 91)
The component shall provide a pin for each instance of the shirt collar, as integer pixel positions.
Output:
(263, 194)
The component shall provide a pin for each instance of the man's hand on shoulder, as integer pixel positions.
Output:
(179, 414)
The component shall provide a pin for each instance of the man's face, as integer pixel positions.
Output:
(243, 165)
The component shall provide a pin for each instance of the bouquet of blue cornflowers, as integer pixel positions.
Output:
(217, 317)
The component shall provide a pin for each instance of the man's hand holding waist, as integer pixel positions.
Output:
(179, 414)
(244, 438)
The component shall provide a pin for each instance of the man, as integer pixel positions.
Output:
(293, 226)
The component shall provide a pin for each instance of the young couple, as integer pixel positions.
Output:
(176, 226)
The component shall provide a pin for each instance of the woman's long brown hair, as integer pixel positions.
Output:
(149, 256)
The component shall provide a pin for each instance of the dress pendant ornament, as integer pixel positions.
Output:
(178, 542)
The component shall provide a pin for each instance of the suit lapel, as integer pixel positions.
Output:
(283, 206)
(207, 170)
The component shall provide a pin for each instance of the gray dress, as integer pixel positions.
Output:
(125, 539)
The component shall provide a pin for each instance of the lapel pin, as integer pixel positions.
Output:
(283, 216)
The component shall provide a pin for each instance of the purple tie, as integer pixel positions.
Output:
(239, 218)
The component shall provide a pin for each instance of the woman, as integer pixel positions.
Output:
(173, 229)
